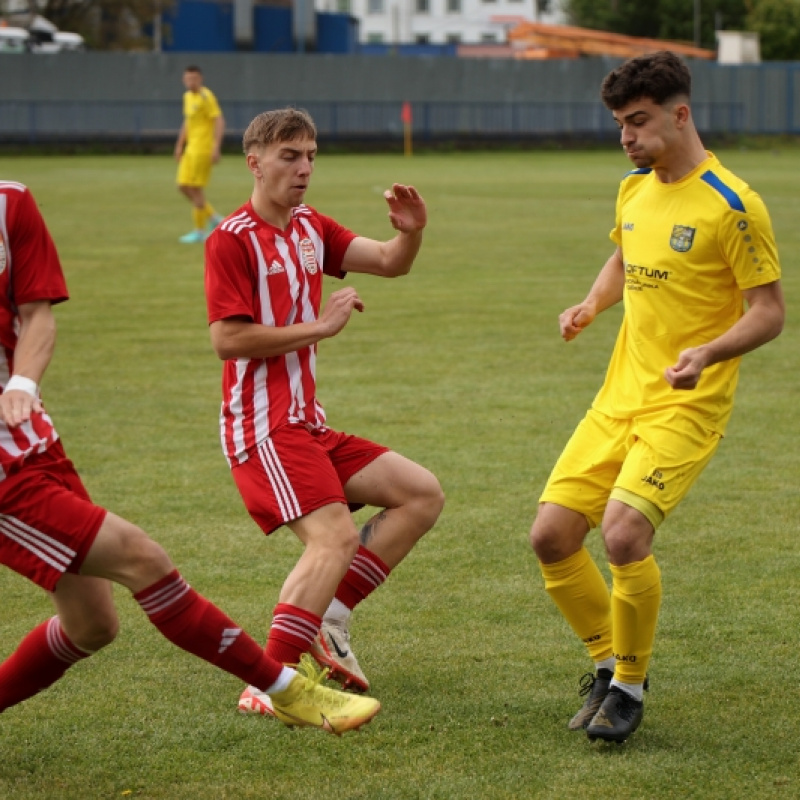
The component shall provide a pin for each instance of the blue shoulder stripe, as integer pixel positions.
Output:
(734, 201)
(640, 171)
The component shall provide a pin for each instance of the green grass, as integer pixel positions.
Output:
(460, 367)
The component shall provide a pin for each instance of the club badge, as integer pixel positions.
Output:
(682, 238)
(308, 256)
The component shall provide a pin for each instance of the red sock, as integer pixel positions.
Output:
(291, 633)
(42, 657)
(196, 625)
(366, 573)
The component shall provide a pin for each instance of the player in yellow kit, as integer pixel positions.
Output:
(694, 247)
(196, 150)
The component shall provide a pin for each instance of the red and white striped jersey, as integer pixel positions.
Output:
(272, 277)
(30, 271)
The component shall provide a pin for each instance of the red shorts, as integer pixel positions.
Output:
(47, 521)
(296, 471)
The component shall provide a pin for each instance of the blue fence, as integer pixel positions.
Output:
(153, 121)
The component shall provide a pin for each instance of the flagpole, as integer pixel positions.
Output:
(405, 115)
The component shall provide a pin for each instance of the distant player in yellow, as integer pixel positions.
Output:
(197, 148)
(694, 246)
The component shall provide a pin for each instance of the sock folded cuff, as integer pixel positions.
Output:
(637, 577)
(562, 569)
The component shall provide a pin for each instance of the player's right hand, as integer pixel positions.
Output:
(572, 321)
(338, 309)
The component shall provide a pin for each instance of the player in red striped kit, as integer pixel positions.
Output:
(264, 268)
(52, 533)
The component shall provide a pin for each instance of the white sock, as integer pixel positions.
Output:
(282, 681)
(607, 663)
(337, 612)
(635, 690)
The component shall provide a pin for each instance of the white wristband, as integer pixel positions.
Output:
(22, 384)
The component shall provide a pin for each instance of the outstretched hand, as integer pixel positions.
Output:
(407, 211)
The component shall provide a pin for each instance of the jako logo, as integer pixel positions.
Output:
(655, 479)
(630, 659)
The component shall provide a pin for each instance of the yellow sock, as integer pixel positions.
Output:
(579, 590)
(199, 218)
(635, 600)
(209, 209)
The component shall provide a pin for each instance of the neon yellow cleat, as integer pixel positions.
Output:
(307, 703)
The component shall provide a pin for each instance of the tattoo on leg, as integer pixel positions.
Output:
(370, 528)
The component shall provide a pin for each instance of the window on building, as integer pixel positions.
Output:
(375, 38)
(343, 6)
(423, 6)
(422, 38)
(453, 6)
(488, 38)
(375, 6)
(453, 38)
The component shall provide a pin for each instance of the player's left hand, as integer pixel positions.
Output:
(686, 372)
(17, 406)
(407, 211)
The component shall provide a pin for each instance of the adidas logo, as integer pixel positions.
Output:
(275, 267)
(229, 636)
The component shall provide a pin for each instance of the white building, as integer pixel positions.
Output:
(442, 21)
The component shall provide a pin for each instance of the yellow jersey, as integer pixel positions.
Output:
(689, 248)
(200, 109)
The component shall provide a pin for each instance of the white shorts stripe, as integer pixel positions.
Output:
(50, 550)
(284, 494)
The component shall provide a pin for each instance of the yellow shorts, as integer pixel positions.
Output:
(194, 169)
(649, 462)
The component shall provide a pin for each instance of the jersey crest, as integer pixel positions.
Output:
(682, 238)
(308, 255)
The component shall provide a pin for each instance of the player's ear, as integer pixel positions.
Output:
(253, 165)
(682, 114)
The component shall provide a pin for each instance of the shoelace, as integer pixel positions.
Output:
(308, 669)
(587, 684)
(314, 692)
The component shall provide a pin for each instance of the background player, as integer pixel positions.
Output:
(51, 532)
(196, 150)
(692, 242)
(264, 267)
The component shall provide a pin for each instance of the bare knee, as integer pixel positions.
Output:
(557, 533)
(94, 632)
(627, 534)
(85, 608)
(428, 501)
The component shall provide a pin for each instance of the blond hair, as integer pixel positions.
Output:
(280, 125)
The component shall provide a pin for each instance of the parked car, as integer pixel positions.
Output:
(14, 40)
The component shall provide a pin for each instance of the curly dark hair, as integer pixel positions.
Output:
(660, 76)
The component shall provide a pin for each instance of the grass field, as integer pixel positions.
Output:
(460, 367)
